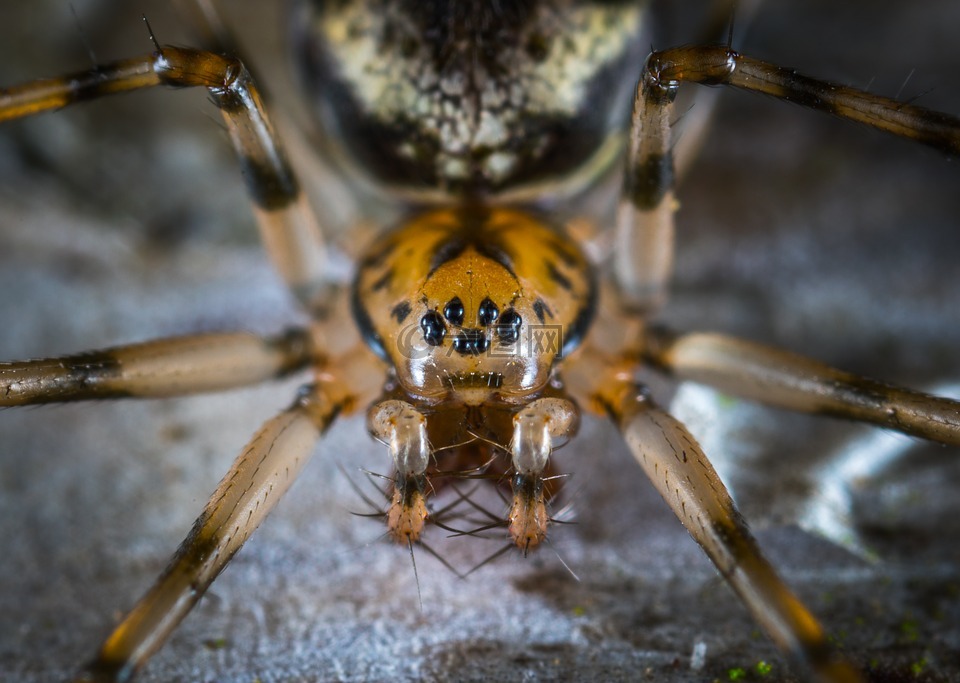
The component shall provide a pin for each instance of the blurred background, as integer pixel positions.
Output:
(125, 219)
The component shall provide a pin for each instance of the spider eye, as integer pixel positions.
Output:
(508, 329)
(433, 328)
(488, 313)
(454, 311)
(470, 343)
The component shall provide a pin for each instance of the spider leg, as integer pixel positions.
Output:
(259, 477)
(643, 257)
(288, 226)
(681, 472)
(688, 483)
(721, 65)
(644, 237)
(728, 20)
(154, 369)
(787, 380)
(534, 429)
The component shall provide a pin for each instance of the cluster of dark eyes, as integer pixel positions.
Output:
(474, 341)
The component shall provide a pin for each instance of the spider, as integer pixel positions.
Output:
(478, 649)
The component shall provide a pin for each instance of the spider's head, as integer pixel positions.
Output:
(469, 305)
(473, 340)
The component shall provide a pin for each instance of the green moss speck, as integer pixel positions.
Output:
(726, 402)
(215, 643)
(910, 630)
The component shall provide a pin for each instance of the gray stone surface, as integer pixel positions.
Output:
(124, 220)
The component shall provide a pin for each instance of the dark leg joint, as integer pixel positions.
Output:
(709, 65)
(183, 67)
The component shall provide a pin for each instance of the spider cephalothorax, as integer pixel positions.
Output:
(474, 307)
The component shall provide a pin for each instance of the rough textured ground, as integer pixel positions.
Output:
(124, 220)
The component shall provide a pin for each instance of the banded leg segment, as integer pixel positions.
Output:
(260, 476)
(404, 429)
(719, 65)
(680, 471)
(288, 226)
(790, 381)
(645, 233)
(168, 367)
(536, 429)
(643, 257)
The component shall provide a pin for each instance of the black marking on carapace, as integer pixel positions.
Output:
(401, 311)
(652, 179)
(578, 329)
(365, 323)
(482, 243)
(448, 251)
(382, 281)
(570, 257)
(497, 254)
(542, 310)
(271, 188)
(379, 256)
(554, 274)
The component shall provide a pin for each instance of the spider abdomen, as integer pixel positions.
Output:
(468, 97)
